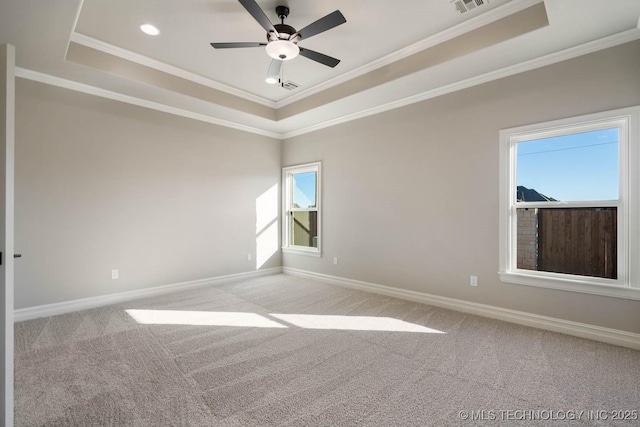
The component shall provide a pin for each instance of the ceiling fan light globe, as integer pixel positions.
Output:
(282, 49)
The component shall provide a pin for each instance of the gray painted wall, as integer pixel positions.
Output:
(410, 196)
(104, 185)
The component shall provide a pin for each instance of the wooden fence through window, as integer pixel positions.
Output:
(580, 241)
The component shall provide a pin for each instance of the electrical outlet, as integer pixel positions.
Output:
(249, 257)
(473, 281)
(114, 274)
(335, 260)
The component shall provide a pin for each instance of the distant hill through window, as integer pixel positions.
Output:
(524, 194)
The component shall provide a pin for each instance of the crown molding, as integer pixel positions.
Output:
(472, 24)
(586, 48)
(441, 37)
(553, 58)
(166, 68)
(73, 28)
(103, 93)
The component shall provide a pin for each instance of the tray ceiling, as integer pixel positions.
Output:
(391, 53)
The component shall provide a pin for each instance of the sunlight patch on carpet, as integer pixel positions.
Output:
(202, 318)
(353, 323)
(254, 320)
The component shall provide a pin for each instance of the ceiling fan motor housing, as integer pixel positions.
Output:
(285, 32)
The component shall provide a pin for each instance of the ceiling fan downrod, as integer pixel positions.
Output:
(282, 12)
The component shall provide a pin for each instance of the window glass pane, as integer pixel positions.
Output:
(576, 167)
(581, 241)
(304, 190)
(304, 229)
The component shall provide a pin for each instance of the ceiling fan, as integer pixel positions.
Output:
(282, 39)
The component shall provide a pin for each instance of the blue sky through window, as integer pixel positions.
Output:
(582, 166)
(304, 190)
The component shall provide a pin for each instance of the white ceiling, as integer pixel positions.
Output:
(187, 27)
(376, 34)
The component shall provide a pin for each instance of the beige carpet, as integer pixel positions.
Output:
(242, 358)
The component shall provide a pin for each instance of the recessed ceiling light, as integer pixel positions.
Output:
(149, 29)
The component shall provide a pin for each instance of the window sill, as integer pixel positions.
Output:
(571, 285)
(306, 252)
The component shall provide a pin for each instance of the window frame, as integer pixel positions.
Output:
(287, 209)
(627, 284)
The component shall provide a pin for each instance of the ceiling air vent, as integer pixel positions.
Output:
(289, 85)
(464, 6)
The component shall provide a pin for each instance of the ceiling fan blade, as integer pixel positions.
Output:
(258, 14)
(319, 57)
(235, 45)
(323, 24)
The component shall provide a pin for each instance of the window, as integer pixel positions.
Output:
(302, 209)
(569, 204)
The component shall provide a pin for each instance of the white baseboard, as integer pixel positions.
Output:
(583, 330)
(99, 301)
